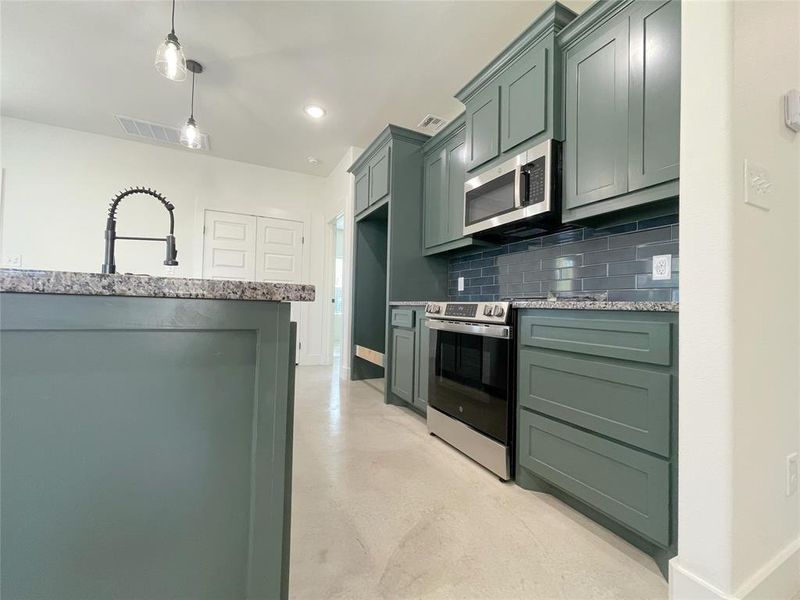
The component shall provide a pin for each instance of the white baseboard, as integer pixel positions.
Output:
(778, 579)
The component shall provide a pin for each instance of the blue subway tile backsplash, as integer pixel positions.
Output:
(616, 261)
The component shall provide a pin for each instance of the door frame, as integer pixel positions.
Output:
(304, 217)
(329, 281)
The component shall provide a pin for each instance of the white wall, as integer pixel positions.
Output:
(338, 198)
(58, 184)
(739, 534)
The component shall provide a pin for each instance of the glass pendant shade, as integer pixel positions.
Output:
(170, 61)
(190, 135)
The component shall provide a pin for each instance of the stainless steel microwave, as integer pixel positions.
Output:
(522, 194)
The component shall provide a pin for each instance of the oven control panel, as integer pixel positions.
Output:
(479, 312)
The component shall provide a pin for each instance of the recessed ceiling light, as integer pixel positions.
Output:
(313, 160)
(314, 111)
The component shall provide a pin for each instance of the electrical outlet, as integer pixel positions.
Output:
(757, 185)
(13, 262)
(460, 284)
(662, 267)
(791, 474)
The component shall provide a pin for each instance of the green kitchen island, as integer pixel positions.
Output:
(146, 436)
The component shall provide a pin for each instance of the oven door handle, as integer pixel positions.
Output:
(481, 329)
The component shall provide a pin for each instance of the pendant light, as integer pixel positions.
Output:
(170, 61)
(190, 134)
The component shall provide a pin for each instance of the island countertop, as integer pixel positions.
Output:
(25, 281)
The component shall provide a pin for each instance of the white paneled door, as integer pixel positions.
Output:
(279, 250)
(229, 246)
(254, 248)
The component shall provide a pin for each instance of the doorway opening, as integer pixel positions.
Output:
(337, 291)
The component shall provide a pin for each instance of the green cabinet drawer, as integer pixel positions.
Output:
(629, 486)
(379, 175)
(627, 403)
(362, 191)
(403, 317)
(523, 98)
(483, 126)
(403, 364)
(638, 341)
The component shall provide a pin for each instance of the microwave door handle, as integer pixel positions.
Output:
(520, 187)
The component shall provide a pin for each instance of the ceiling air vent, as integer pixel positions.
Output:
(162, 134)
(432, 123)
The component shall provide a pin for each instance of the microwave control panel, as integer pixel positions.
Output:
(537, 179)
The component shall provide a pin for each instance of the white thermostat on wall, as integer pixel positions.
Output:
(792, 109)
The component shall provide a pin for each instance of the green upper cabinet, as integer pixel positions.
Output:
(596, 161)
(435, 199)
(621, 107)
(379, 173)
(655, 93)
(523, 98)
(483, 126)
(515, 101)
(443, 201)
(362, 190)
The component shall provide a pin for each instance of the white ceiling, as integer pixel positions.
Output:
(76, 64)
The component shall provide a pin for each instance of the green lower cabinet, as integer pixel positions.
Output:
(597, 418)
(422, 364)
(402, 371)
(630, 486)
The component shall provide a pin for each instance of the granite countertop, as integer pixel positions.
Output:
(580, 304)
(408, 302)
(25, 281)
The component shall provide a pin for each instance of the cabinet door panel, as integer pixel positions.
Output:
(630, 486)
(422, 364)
(362, 191)
(403, 363)
(379, 174)
(436, 208)
(483, 126)
(596, 161)
(523, 99)
(655, 72)
(629, 403)
(456, 175)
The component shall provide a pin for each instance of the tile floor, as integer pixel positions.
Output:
(382, 510)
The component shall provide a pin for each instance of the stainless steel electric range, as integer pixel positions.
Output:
(471, 381)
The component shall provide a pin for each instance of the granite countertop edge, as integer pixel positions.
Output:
(26, 281)
(576, 304)
(566, 304)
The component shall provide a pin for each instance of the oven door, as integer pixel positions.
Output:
(470, 375)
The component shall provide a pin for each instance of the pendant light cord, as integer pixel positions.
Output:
(193, 74)
(173, 16)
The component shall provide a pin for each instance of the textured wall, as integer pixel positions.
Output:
(616, 261)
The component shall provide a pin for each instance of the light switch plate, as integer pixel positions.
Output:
(460, 284)
(13, 262)
(757, 185)
(662, 267)
(791, 474)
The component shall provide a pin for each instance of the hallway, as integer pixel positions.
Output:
(382, 510)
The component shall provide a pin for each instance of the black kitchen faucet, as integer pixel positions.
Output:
(109, 265)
